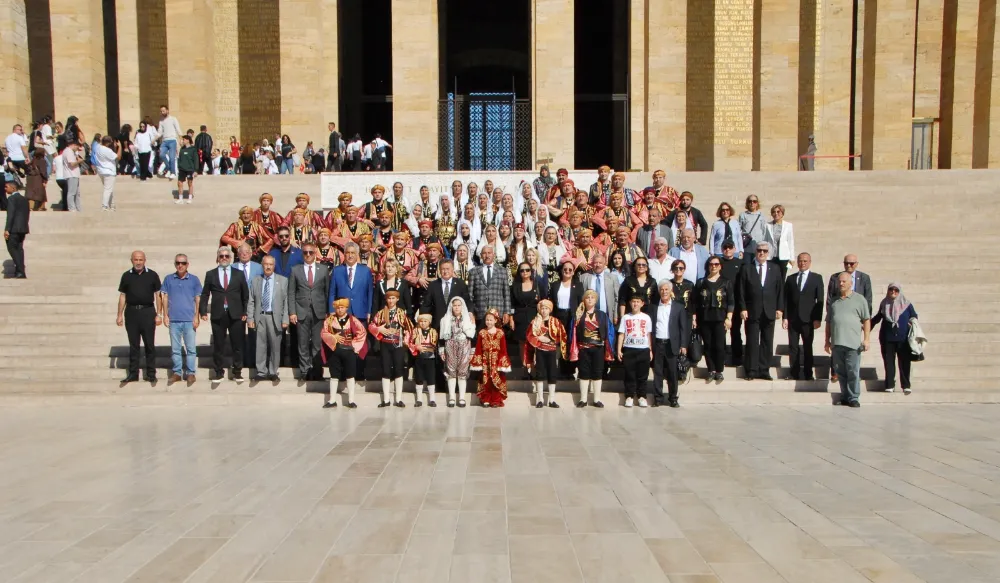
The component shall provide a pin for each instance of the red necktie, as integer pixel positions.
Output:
(652, 246)
(225, 285)
(310, 276)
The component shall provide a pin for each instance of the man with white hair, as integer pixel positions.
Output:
(694, 255)
(659, 261)
(229, 292)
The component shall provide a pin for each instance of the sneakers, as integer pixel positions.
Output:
(907, 390)
(179, 201)
(890, 389)
(628, 402)
(643, 403)
(189, 200)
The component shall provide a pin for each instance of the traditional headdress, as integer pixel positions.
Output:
(392, 294)
(244, 209)
(365, 237)
(351, 209)
(266, 195)
(405, 235)
(659, 172)
(301, 196)
(345, 197)
(425, 317)
(583, 231)
(618, 175)
(386, 214)
(545, 303)
(300, 211)
(435, 245)
(324, 230)
(604, 167)
(342, 303)
(687, 193)
(378, 187)
(426, 223)
(495, 312)
(562, 171)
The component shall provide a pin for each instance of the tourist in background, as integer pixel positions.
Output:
(59, 169)
(187, 168)
(752, 227)
(16, 145)
(126, 167)
(288, 152)
(848, 326)
(16, 229)
(894, 314)
(106, 162)
(778, 232)
(169, 131)
(144, 139)
(727, 228)
(715, 301)
(234, 150)
(37, 179)
(247, 161)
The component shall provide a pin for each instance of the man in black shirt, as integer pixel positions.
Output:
(203, 143)
(334, 163)
(731, 270)
(138, 310)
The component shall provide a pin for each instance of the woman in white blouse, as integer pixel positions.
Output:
(779, 234)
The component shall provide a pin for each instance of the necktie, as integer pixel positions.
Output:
(350, 276)
(600, 295)
(225, 285)
(853, 282)
(760, 274)
(447, 288)
(310, 269)
(800, 280)
(267, 294)
(489, 272)
(652, 237)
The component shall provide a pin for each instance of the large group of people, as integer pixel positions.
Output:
(562, 281)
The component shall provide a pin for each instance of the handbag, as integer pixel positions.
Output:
(747, 239)
(697, 348)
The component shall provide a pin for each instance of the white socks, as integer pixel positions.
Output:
(584, 389)
(461, 388)
(385, 390)
(350, 390)
(399, 390)
(451, 388)
(596, 386)
(552, 393)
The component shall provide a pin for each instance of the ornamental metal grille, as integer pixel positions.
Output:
(484, 131)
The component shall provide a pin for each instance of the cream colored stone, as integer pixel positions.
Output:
(415, 87)
(779, 88)
(308, 97)
(78, 77)
(126, 21)
(833, 84)
(553, 99)
(666, 82)
(638, 147)
(966, 41)
(190, 63)
(15, 80)
(994, 117)
(734, 85)
(927, 82)
(893, 88)
(225, 34)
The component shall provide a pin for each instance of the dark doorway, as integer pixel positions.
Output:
(111, 66)
(39, 24)
(601, 52)
(485, 107)
(365, 33)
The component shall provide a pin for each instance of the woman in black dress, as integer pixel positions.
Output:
(566, 294)
(683, 289)
(715, 302)
(641, 284)
(525, 293)
(391, 280)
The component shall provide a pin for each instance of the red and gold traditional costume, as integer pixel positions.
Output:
(371, 209)
(347, 332)
(314, 219)
(329, 254)
(268, 219)
(422, 341)
(541, 337)
(347, 232)
(246, 230)
(340, 213)
(368, 257)
(492, 359)
(608, 214)
(301, 232)
(557, 187)
(406, 257)
(666, 194)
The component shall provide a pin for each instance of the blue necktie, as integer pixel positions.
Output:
(267, 294)
(600, 294)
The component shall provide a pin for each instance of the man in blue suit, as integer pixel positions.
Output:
(353, 280)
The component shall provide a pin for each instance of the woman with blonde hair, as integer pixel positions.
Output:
(591, 346)
(778, 232)
(545, 346)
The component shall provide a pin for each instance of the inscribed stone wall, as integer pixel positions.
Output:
(734, 83)
(15, 85)
(225, 40)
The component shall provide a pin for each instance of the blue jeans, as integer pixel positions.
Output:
(287, 166)
(183, 331)
(847, 365)
(168, 151)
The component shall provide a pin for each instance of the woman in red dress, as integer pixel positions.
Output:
(492, 359)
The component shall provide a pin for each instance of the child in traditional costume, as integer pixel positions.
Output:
(391, 328)
(492, 359)
(423, 345)
(546, 344)
(345, 339)
(592, 337)
(457, 332)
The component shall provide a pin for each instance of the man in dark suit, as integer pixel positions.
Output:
(16, 228)
(308, 298)
(803, 315)
(760, 300)
(353, 280)
(695, 216)
(441, 291)
(669, 342)
(731, 271)
(488, 289)
(860, 283)
(228, 290)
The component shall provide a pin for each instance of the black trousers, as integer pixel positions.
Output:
(545, 367)
(892, 352)
(15, 247)
(140, 324)
(236, 329)
(144, 165)
(664, 369)
(342, 363)
(591, 363)
(565, 316)
(804, 332)
(206, 158)
(392, 358)
(714, 336)
(736, 341)
(333, 163)
(63, 193)
(760, 346)
(127, 163)
(636, 363)
(424, 370)
(307, 332)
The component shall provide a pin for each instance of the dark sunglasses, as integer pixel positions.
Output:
(308, 252)
(678, 268)
(754, 200)
(850, 263)
(284, 236)
(714, 264)
(224, 256)
(762, 251)
(180, 262)
(641, 265)
(527, 270)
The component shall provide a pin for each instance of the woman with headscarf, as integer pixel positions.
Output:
(894, 313)
(463, 262)
(458, 331)
(524, 194)
(467, 234)
(543, 183)
(491, 238)
(544, 347)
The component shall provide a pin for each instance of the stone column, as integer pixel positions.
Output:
(833, 84)
(779, 85)
(638, 158)
(893, 84)
(666, 85)
(79, 83)
(994, 113)
(191, 63)
(415, 89)
(130, 111)
(964, 92)
(308, 96)
(553, 105)
(226, 39)
(15, 81)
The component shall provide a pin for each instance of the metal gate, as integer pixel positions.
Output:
(484, 131)
(922, 144)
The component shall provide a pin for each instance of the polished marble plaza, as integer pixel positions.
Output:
(703, 494)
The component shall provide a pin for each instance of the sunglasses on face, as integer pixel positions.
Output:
(526, 270)
(715, 265)
(762, 251)
(677, 269)
(308, 252)
(641, 265)
(180, 262)
(283, 236)
(850, 263)
(893, 290)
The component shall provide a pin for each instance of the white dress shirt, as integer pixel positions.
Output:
(761, 271)
(690, 259)
(802, 277)
(659, 270)
(663, 321)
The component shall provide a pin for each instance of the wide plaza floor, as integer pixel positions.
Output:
(703, 494)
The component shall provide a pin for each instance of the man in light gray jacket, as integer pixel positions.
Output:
(267, 313)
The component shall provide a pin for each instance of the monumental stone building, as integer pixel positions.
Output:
(457, 84)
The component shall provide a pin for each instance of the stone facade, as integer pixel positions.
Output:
(713, 84)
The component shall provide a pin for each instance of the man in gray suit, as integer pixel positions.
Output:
(267, 313)
(647, 234)
(607, 299)
(860, 284)
(308, 293)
